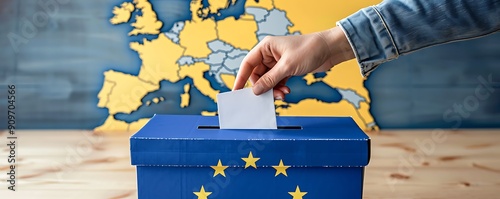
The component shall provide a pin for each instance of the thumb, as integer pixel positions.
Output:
(270, 79)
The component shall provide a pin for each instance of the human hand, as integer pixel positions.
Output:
(277, 58)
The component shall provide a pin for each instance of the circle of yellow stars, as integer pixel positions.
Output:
(250, 161)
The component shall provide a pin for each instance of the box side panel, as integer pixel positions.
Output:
(250, 183)
(312, 153)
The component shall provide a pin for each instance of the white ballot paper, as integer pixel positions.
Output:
(242, 109)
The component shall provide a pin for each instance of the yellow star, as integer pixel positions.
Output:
(219, 169)
(250, 161)
(297, 194)
(202, 194)
(281, 169)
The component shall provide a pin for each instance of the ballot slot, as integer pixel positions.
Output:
(211, 127)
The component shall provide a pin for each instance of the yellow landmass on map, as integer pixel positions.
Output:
(156, 100)
(279, 103)
(208, 113)
(103, 94)
(126, 94)
(228, 80)
(344, 76)
(159, 58)
(310, 79)
(185, 96)
(313, 107)
(196, 34)
(266, 4)
(195, 72)
(215, 6)
(135, 126)
(347, 75)
(122, 13)
(318, 15)
(148, 22)
(238, 33)
(112, 125)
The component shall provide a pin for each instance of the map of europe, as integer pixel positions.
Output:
(203, 54)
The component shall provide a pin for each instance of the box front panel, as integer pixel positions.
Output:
(249, 183)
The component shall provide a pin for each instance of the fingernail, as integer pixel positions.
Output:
(286, 91)
(258, 89)
(278, 97)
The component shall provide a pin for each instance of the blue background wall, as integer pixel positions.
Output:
(422, 89)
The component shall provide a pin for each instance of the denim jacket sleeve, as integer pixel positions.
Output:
(383, 32)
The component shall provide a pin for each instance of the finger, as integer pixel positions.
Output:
(279, 90)
(251, 60)
(282, 86)
(271, 78)
(278, 94)
(283, 81)
(257, 73)
(284, 89)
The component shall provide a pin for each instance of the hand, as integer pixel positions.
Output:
(275, 59)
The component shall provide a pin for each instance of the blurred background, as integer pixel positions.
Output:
(110, 65)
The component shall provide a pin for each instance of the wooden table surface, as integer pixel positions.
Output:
(404, 164)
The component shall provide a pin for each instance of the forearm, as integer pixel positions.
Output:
(396, 27)
(339, 46)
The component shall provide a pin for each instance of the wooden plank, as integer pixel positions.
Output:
(404, 164)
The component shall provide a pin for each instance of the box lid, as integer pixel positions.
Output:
(196, 141)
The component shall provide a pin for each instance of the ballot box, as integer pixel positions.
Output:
(189, 157)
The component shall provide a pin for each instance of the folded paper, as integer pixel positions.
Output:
(242, 109)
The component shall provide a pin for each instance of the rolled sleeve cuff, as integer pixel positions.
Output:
(369, 38)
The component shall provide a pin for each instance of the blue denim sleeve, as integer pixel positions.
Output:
(392, 28)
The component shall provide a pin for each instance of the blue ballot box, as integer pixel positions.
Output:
(189, 157)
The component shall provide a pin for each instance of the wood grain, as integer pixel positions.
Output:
(404, 164)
